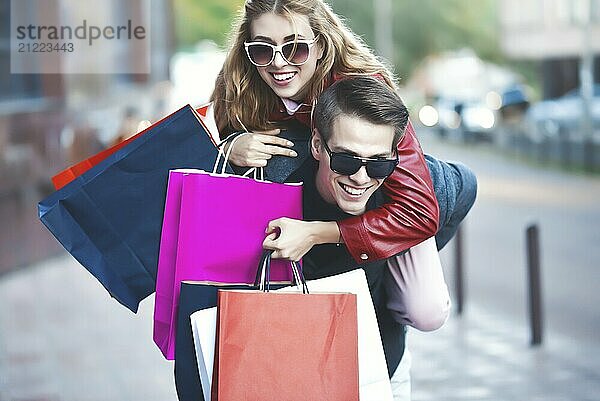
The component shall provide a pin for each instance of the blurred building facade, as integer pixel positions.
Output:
(49, 121)
(556, 32)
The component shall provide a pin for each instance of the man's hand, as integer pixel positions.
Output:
(291, 239)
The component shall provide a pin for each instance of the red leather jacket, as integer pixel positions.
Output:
(410, 217)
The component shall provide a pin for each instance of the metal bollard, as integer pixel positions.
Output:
(535, 287)
(459, 271)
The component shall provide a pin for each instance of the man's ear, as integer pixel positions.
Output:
(315, 145)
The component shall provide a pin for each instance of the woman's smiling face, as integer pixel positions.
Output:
(286, 80)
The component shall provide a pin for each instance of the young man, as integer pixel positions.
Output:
(358, 123)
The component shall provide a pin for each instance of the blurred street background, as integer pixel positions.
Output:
(510, 88)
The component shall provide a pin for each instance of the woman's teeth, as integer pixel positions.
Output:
(353, 191)
(284, 77)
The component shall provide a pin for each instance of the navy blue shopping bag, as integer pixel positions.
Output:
(194, 296)
(282, 168)
(110, 218)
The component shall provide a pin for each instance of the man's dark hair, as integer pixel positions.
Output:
(363, 97)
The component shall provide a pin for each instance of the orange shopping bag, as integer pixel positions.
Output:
(274, 346)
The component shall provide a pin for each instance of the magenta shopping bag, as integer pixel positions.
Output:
(213, 229)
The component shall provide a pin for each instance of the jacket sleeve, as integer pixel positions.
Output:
(410, 217)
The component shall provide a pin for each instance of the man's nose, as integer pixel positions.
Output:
(361, 177)
(279, 61)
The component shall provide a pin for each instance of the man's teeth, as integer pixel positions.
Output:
(353, 191)
(284, 77)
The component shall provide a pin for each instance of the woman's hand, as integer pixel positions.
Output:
(254, 149)
(291, 239)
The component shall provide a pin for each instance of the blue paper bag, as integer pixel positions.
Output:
(194, 296)
(110, 217)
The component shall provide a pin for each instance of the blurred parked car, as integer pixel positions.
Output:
(561, 117)
(465, 120)
(478, 122)
(512, 129)
(515, 103)
(442, 116)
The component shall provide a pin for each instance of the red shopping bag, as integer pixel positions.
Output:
(274, 346)
(66, 176)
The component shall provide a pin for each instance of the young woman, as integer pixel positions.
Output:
(284, 54)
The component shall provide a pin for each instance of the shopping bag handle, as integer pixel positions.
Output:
(263, 273)
(257, 172)
(235, 137)
(225, 156)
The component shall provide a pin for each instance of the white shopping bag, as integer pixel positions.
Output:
(373, 376)
(204, 327)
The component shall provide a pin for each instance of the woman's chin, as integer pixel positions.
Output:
(289, 90)
(286, 92)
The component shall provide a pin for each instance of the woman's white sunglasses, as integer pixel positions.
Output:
(295, 52)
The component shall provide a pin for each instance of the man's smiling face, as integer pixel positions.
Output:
(357, 137)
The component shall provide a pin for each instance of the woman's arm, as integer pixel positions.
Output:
(409, 218)
(254, 149)
(291, 239)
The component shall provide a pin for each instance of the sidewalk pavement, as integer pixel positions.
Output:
(479, 357)
(62, 338)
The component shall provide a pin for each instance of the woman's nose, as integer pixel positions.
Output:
(279, 61)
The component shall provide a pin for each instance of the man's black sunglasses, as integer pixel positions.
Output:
(346, 164)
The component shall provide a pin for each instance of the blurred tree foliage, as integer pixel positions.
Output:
(421, 27)
(196, 20)
(424, 27)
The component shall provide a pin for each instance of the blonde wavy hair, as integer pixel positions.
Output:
(240, 93)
